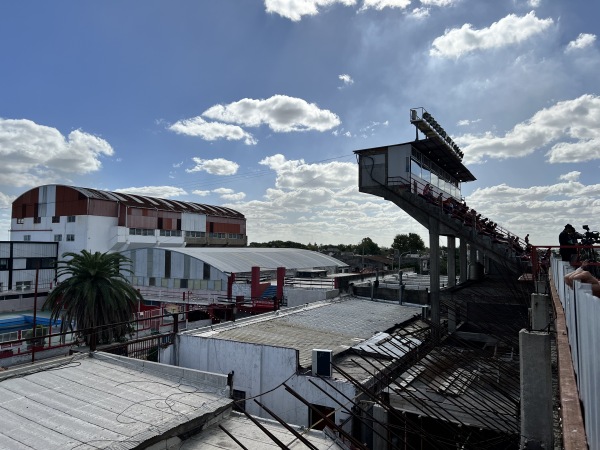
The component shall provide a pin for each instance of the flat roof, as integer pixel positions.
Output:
(103, 401)
(251, 436)
(242, 259)
(334, 325)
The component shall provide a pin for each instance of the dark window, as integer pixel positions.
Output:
(239, 400)
(152, 281)
(55, 219)
(27, 237)
(206, 272)
(37, 220)
(70, 218)
(183, 283)
(160, 223)
(316, 421)
(39, 263)
(57, 237)
(20, 220)
(70, 237)
(4, 263)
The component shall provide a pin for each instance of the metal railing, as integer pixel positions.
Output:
(582, 315)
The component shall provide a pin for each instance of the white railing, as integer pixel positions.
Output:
(582, 316)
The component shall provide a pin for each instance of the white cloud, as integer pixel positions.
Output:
(420, 13)
(466, 122)
(229, 194)
(571, 176)
(381, 4)
(295, 9)
(540, 210)
(583, 40)
(438, 2)
(34, 154)
(293, 174)
(346, 79)
(217, 166)
(280, 113)
(201, 193)
(534, 3)
(212, 131)
(509, 30)
(6, 200)
(154, 191)
(572, 124)
(177, 165)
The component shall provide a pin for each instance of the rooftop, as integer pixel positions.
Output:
(334, 325)
(104, 401)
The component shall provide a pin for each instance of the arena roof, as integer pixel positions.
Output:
(242, 259)
(142, 201)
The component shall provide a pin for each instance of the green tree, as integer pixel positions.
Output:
(410, 242)
(368, 247)
(94, 294)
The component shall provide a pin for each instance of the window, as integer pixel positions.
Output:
(183, 283)
(21, 221)
(239, 400)
(152, 281)
(4, 263)
(55, 219)
(70, 237)
(27, 237)
(141, 231)
(57, 237)
(195, 234)
(218, 235)
(37, 220)
(23, 285)
(39, 263)
(170, 232)
(70, 218)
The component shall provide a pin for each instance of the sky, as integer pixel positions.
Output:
(258, 105)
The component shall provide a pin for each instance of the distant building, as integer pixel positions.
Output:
(81, 218)
(19, 262)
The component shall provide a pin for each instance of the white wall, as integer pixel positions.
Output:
(258, 369)
(397, 161)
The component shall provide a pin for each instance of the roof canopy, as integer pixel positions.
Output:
(237, 260)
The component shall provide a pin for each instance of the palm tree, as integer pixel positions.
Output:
(95, 294)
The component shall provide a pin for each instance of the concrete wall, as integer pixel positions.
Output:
(296, 297)
(258, 369)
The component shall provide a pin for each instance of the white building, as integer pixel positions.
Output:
(82, 218)
(268, 350)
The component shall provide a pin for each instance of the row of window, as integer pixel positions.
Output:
(55, 219)
(178, 233)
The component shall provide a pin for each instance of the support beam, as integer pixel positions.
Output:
(540, 312)
(451, 260)
(462, 260)
(434, 270)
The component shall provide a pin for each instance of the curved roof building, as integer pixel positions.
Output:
(83, 218)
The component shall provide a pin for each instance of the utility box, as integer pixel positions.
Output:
(321, 362)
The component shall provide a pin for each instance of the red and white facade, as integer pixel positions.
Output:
(81, 218)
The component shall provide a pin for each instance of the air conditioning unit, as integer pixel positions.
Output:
(321, 362)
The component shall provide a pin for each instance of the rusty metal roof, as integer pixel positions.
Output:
(142, 201)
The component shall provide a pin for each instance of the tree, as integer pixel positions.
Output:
(95, 294)
(410, 242)
(368, 247)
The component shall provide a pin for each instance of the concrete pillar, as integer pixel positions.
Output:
(452, 318)
(451, 260)
(540, 312)
(434, 270)
(472, 255)
(536, 389)
(462, 261)
(380, 428)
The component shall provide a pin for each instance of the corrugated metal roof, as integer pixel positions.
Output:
(242, 259)
(136, 200)
(252, 437)
(336, 326)
(101, 402)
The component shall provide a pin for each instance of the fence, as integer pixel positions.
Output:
(582, 314)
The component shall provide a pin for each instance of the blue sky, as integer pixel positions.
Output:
(259, 104)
